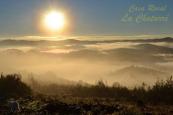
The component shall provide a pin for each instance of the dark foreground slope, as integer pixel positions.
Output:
(98, 99)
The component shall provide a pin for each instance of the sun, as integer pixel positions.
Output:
(54, 20)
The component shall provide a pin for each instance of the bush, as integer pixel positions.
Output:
(12, 86)
(162, 91)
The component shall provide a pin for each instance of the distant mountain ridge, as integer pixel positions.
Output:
(147, 52)
(138, 74)
(74, 41)
(139, 70)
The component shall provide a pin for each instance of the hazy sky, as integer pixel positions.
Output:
(86, 17)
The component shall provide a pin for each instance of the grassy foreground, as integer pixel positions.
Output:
(98, 99)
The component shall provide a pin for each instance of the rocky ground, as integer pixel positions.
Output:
(84, 106)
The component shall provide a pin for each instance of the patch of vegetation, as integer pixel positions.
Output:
(161, 92)
(98, 99)
(12, 86)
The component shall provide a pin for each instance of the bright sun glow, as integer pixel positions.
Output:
(54, 20)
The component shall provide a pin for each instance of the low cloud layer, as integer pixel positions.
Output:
(135, 61)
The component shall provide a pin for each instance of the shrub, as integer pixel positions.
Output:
(12, 86)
